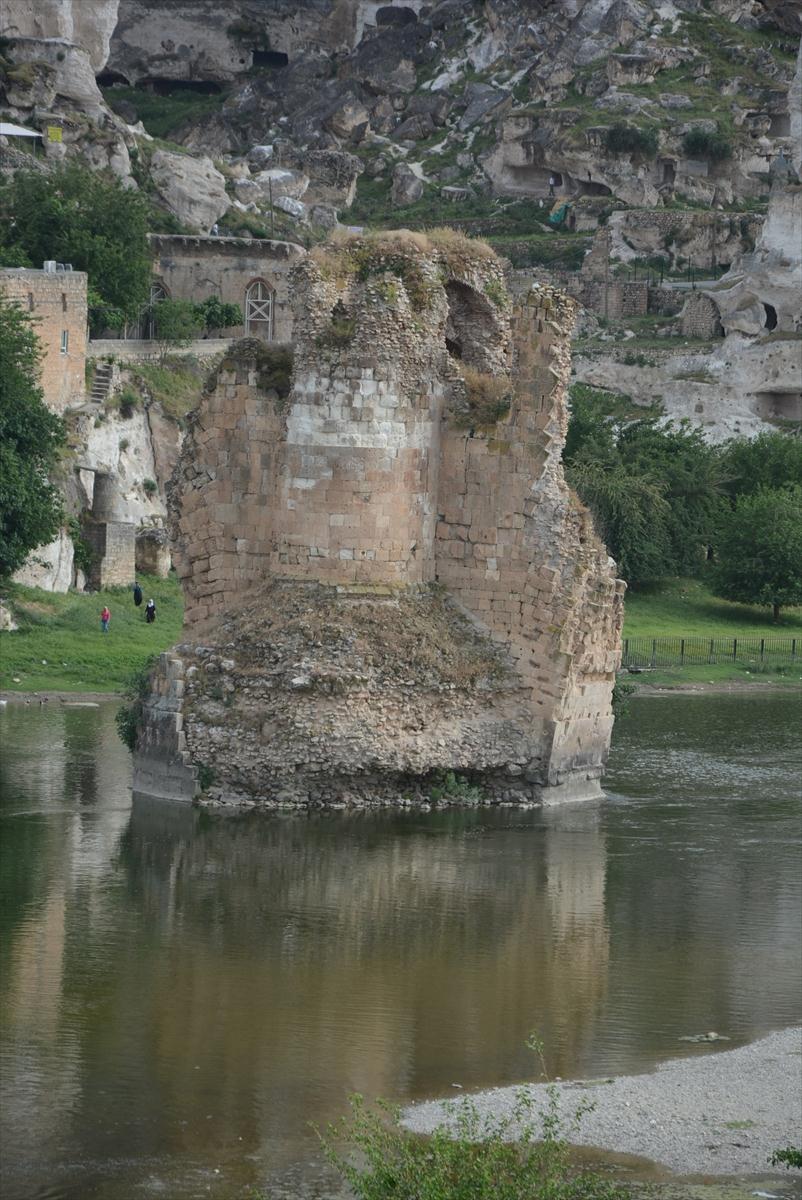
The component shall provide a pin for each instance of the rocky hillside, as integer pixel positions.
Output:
(414, 113)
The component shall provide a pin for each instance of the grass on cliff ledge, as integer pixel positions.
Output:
(59, 646)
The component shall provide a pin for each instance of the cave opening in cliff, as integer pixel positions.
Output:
(771, 316)
(165, 87)
(270, 58)
(591, 187)
(110, 78)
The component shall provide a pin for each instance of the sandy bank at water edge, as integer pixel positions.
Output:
(718, 1113)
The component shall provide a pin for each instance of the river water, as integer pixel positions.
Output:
(183, 993)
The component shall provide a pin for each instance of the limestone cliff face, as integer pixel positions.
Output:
(194, 39)
(87, 23)
(386, 576)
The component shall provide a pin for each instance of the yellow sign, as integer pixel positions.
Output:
(54, 133)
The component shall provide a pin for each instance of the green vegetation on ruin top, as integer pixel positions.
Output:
(59, 645)
(176, 385)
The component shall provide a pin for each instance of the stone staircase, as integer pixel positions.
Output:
(101, 383)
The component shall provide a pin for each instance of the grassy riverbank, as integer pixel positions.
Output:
(687, 608)
(59, 646)
(678, 608)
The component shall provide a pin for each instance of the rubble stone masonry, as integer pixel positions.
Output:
(388, 582)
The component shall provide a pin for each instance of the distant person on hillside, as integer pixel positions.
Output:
(552, 182)
(150, 612)
(105, 617)
(137, 595)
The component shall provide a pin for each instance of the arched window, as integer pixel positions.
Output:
(259, 310)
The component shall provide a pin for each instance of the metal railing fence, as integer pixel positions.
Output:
(652, 652)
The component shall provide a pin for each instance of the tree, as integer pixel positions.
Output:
(30, 436)
(86, 218)
(769, 460)
(760, 550)
(214, 313)
(655, 489)
(176, 324)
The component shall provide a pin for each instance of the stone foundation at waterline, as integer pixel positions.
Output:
(389, 587)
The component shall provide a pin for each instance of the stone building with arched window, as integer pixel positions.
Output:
(249, 272)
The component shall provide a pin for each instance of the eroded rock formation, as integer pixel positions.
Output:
(386, 576)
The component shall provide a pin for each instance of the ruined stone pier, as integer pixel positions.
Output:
(389, 586)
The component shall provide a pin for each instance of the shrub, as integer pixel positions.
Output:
(629, 139)
(176, 324)
(275, 369)
(129, 715)
(699, 143)
(450, 786)
(622, 694)
(127, 401)
(83, 554)
(790, 1157)
(487, 399)
(523, 1155)
(214, 313)
(206, 776)
(150, 486)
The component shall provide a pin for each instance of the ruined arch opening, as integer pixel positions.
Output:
(771, 316)
(270, 58)
(471, 327)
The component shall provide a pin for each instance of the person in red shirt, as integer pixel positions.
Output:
(105, 617)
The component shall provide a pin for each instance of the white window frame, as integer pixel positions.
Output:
(65, 341)
(260, 304)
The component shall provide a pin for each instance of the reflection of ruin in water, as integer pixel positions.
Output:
(166, 965)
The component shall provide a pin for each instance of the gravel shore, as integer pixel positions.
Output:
(718, 1113)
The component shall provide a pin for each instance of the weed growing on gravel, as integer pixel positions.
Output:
(521, 1155)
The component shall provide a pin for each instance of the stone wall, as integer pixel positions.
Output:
(153, 553)
(57, 303)
(114, 548)
(386, 576)
(705, 239)
(194, 268)
(700, 318)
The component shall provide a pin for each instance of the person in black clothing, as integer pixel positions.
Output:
(137, 595)
(150, 612)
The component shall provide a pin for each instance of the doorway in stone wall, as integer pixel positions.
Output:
(144, 329)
